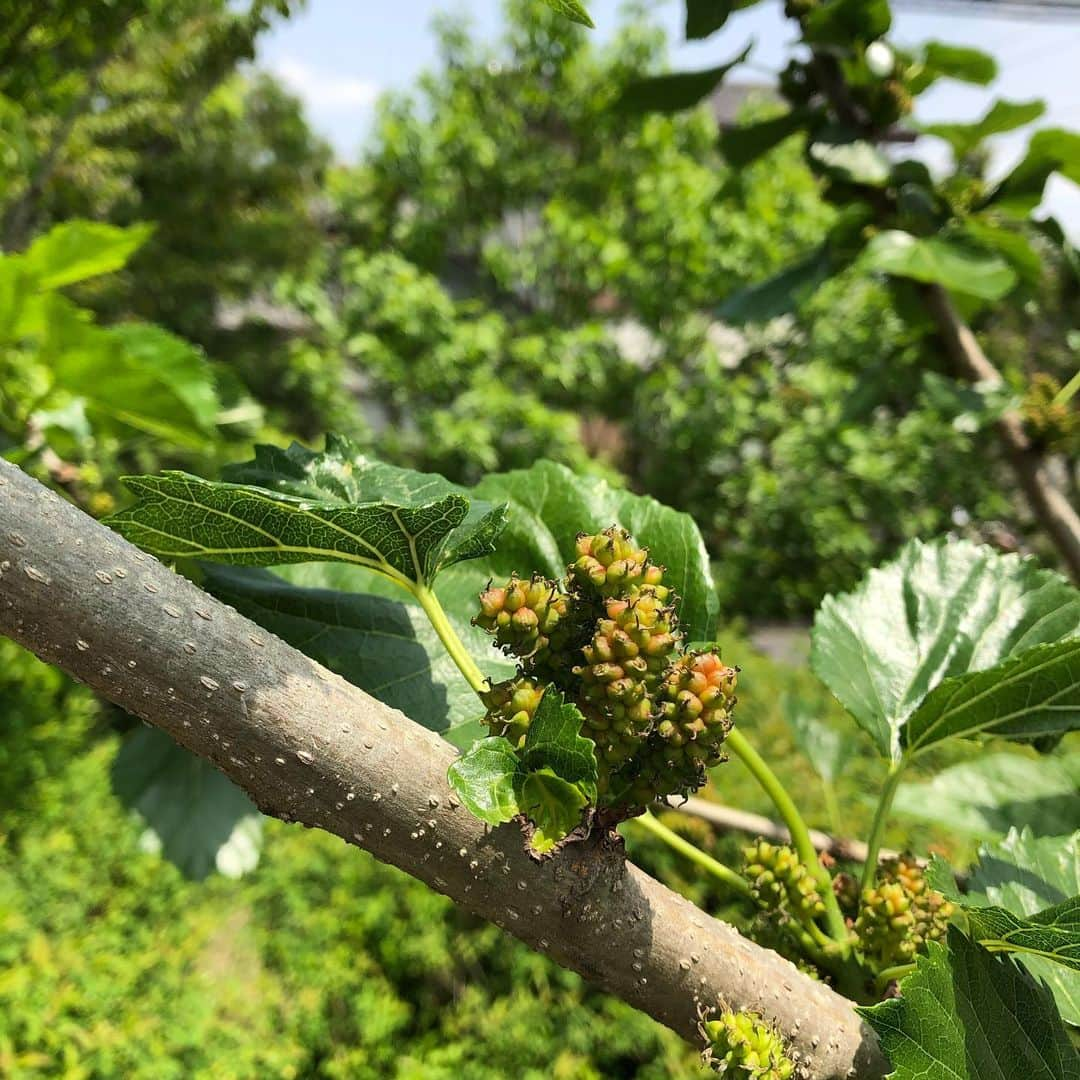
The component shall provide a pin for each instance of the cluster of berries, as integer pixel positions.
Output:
(607, 636)
(779, 882)
(743, 1045)
(1050, 423)
(900, 914)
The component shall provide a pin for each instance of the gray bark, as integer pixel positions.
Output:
(309, 747)
(1049, 505)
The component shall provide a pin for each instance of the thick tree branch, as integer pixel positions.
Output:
(311, 748)
(1048, 503)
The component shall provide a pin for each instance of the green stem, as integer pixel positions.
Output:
(881, 819)
(800, 834)
(448, 636)
(718, 870)
(818, 934)
(889, 974)
(1068, 391)
(811, 949)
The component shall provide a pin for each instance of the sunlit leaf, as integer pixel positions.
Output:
(1026, 874)
(941, 60)
(1002, 116)
(955, 265)
(572, 9)
(549, 505)
(332, 506)
(77, 250)
(485, 777)
(952, 639)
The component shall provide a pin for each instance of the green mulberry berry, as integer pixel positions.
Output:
(930, 909)
(610, 564)
(624, 663)
(886, 924)
(779, 880)
(900, 914)
(511, 705)
(691, 719)
(696, 701)
(1050, 423)
(523, 615)
(743, 1044)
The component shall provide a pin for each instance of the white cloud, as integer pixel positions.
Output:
(324, 90)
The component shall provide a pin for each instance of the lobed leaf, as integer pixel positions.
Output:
(337, 506)
(906, 652)
(967, 1015)
(1025, 874)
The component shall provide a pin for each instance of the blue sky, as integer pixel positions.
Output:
(338, 55)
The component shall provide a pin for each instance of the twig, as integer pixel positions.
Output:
(729, 819)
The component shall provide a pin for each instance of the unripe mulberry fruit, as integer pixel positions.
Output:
(930, 910)
(744, 1045)
(624, 663)
(886, 925)
(696, 699)
(610, 564)
(1050, 423)
(511, 705)
(523, 615)
(779, 880)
